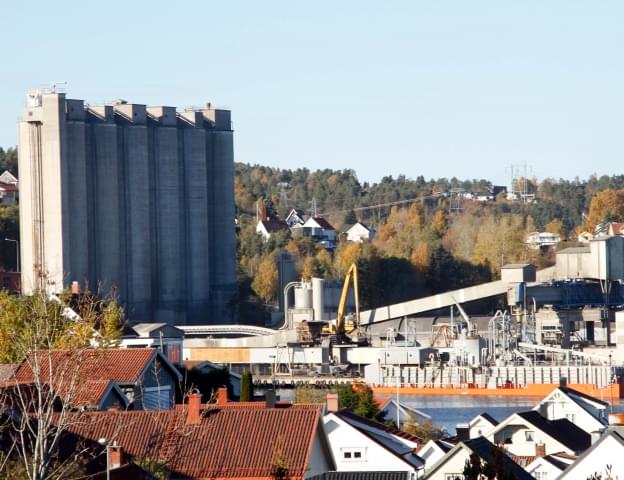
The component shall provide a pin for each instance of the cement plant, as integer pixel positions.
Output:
(140, 199)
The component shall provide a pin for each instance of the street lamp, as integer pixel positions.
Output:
(106, 443)
(16, 251)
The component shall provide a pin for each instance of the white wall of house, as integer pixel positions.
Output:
(609, 452)
(542, 469)
(262, 231)
(430, 453)
(558, 405)
(479, 426)
(359, 233)
(519, 438)
(354, 451)
(454, 465)
(319, 462)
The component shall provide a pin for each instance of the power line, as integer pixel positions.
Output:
(388, 204)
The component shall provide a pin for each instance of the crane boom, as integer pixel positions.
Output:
(351, 277)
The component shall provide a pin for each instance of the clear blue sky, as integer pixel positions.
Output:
(434, 88)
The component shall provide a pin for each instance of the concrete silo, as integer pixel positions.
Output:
(132, 197)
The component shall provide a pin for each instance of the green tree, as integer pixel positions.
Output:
(246, 387)
(350, 218)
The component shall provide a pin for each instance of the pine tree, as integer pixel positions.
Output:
(246, 387)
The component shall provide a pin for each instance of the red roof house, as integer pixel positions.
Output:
(218, 441)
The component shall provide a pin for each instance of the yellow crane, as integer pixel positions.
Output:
(343, 326)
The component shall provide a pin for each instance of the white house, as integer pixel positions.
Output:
(359, 444)
(8, 178)
(584, 411)
(542, 240)
(320, 230)
(528, 433)
(358, 232)
(451, 466)
(295, 217)
(405, 413)
(432, 451)
(549, 467)
(266, 228)
(480, 425)
(607, 452)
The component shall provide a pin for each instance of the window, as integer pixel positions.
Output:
(353, 454)
(529, 435)
(507, 434)
(571, 417)
(453, 476)
(541, 475)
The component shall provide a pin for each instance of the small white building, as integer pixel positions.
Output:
(358, 232)
(451, 466)
(542, 240)
(295, 218)
(584, 411)
(549, 467)
(320, 230)
(359, 444)
(479, 426)
(528, 433)
(607, 452)
(266, 228)
(432, 451)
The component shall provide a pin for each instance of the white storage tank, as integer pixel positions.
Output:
(303, 296)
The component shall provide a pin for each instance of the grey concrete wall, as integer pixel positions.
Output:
(193, 139)
(133, 140)
(135, 197)
(222, 225)
(170, 239)
(76, 231)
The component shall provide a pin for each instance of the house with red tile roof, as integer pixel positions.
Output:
(144, 375)
(251, 440)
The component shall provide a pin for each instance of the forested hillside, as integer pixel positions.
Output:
(422, 245)
(9, 215)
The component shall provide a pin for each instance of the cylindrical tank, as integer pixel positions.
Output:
(318, 298)
(303, 296)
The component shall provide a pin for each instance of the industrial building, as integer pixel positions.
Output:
(131, 198)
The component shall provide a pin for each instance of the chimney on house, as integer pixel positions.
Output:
(75, 288)
(269, 397)
(332, 402)
(115, 456)
(222, 396)
(540, 449)
(563, 382)
(193, 416)
(595, 436)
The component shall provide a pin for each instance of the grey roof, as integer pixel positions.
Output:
(380, 436)
(363, 476)
(562, 430)
(488, 417)
(485, 450)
